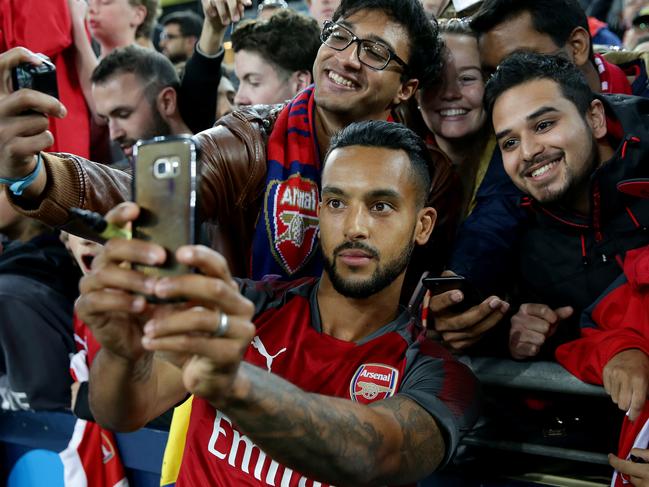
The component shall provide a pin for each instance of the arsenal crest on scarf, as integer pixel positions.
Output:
(288, 225)
(292, 222)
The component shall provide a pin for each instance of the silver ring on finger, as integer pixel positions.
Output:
(223, 326)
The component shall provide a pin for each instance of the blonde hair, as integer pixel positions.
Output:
(145, 29)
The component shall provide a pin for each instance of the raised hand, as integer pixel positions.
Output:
(112, 302)
(23, 135)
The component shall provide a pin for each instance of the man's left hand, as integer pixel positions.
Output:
(213, 332)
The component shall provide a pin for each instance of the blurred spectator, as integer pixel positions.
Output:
(119, 22)
(197, 93)
(452, 109)
(638, 32)
(547, 27)
(112, 24)
(38, 286)
(630, 10)
(225, 97)
(181, 31)
(24, 23)
(456, 122)
(136, 94)
(145, 33)
(267, 8)
(322, 10)
(601, 34)
(273, 58)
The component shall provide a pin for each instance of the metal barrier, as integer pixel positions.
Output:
(539, 376)
(547, 377)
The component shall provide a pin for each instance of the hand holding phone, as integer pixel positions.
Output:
(36, 77)
(439, 285)
(461, 325)
(165, 186)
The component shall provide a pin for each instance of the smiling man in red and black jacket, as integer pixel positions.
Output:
(567, 149)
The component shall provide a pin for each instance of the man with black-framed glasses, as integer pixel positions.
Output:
(180, 32)
(262, 166)
(371, 53)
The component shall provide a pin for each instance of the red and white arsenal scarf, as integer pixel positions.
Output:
(285, 238)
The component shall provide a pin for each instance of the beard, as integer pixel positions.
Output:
(158, 126)
(382, 277)
(576, 181)
(177, 57)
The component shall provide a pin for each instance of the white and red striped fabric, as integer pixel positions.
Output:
(91, 458)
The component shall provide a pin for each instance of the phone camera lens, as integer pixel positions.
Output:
(161, 168)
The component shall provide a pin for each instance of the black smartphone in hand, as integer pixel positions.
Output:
(439, 285)
(40, 78)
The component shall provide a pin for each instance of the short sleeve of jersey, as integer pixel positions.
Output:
(272, 292)
(447, 389)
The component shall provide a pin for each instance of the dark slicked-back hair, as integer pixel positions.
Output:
(189, 23)
(522, 67)
(288, 39)
(388, 135)
(555, 18)
(154, 69)
(426, 59)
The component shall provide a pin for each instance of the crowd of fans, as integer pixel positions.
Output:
(346, 151)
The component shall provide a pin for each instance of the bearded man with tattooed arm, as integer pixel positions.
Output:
(311, 382)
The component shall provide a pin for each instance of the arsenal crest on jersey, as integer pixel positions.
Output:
(292, 220)
(373, 382)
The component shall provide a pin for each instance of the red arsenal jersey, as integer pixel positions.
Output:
(289, 343)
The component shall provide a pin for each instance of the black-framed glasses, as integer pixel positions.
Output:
(165, 36)
(371, 53)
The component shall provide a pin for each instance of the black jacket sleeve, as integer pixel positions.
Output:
(198, 90)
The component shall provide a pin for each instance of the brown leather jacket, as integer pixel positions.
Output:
(233, 170)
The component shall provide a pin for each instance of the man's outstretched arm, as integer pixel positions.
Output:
(333, 439)
(329, 439)
(59, 182)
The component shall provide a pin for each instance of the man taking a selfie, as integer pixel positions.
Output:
(325, 380)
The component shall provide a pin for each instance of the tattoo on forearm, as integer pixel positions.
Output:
(143, 368)
(334, 439)
(422, 445)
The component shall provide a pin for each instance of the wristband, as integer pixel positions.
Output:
(18, 185)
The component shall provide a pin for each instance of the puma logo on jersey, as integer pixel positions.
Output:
(257, 343)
